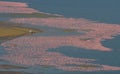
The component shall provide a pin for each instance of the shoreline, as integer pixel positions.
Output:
(20, 8)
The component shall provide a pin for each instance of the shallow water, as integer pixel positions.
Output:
(51, 31)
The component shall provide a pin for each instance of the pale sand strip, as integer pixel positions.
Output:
(15, 7)
(12, 4)
(17, 10)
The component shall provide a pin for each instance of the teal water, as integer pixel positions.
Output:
(98, 10)
(113, 43)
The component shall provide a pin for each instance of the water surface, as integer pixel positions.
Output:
(97, 10)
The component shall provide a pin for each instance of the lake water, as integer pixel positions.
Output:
(97, 10)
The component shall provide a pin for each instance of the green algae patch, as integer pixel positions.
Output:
(89, 66)
(70, 30)
(25, 15)
(16, 31)
(46, 66)
(4, 66)
(9, 30)
(84, 65)
(87, 30)
(12, 72)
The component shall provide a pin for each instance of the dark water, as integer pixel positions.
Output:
(113, 43)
